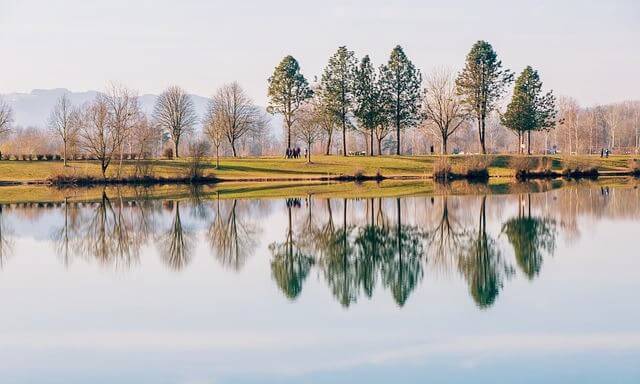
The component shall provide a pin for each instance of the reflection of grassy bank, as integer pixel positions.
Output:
(387, 188)
(278, 169)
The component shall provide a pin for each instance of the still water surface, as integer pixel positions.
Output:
(530, 287)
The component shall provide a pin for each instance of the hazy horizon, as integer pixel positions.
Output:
(582, 49)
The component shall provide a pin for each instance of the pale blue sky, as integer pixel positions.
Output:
(586, 49)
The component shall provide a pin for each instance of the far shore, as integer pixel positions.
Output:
(277, 169)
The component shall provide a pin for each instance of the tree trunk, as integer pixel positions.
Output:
(233, 148)
(444, 145)
(217, 157)
(398, 136)
(308, 152)
(481, 126)
(546, 142)
(176, 143)
(344, 138)
(64, 154)
(379, 147)
(613, 139)
(529, 142)
(103, 168)
(328, 152)
(371, 152)
(288, 135)
(120, 161)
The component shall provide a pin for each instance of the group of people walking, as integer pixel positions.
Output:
(604, 152)
(293, 153)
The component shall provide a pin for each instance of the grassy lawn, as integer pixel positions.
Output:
(276, 168)
(231, 169)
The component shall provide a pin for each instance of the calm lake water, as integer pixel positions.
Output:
(527, 288)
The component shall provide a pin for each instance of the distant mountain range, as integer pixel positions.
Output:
(34, 108)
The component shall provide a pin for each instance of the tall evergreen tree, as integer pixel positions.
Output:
(401, 83)
(288, 89)
(529, 109)
(482, 83)
(369, 106)
(336, 87)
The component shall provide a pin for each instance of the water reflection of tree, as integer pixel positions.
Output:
(372, 246)
(352, 258)
(111, 231)
(232, 237)
(531, 237)
(198, 206)
(290, 265)
(446, 238)
(5, 242)
(338, 262)
(482, 265)
(65, 234)
(106, 235)
(354, 250)
(176, 243)
(403, 270)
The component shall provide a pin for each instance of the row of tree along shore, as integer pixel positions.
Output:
(392, 98)
(353, 106)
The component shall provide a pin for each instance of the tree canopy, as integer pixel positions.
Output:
(369, 101)
(337, 88)
(529, 109)
(482, 83)
(402, 83)
(288, 89)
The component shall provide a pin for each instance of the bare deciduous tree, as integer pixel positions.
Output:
(443, 109)
(6, 117)
(214, 128)
(236, 112)
(308, 127)
(144, 142)
(327, 121)
(63, 122)
(636, 124)
(98, 136)
(381, 132)
(613, 116)
(147, 136)
(198, 149)
(175, 113)
(569, 110)
(124, 113)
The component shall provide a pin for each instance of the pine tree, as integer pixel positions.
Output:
(401, 83)
(369, 105)
(288, 89)
(529, 109)
(336, 87)
(482, 83)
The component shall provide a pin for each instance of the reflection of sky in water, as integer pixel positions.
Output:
(222, 320)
